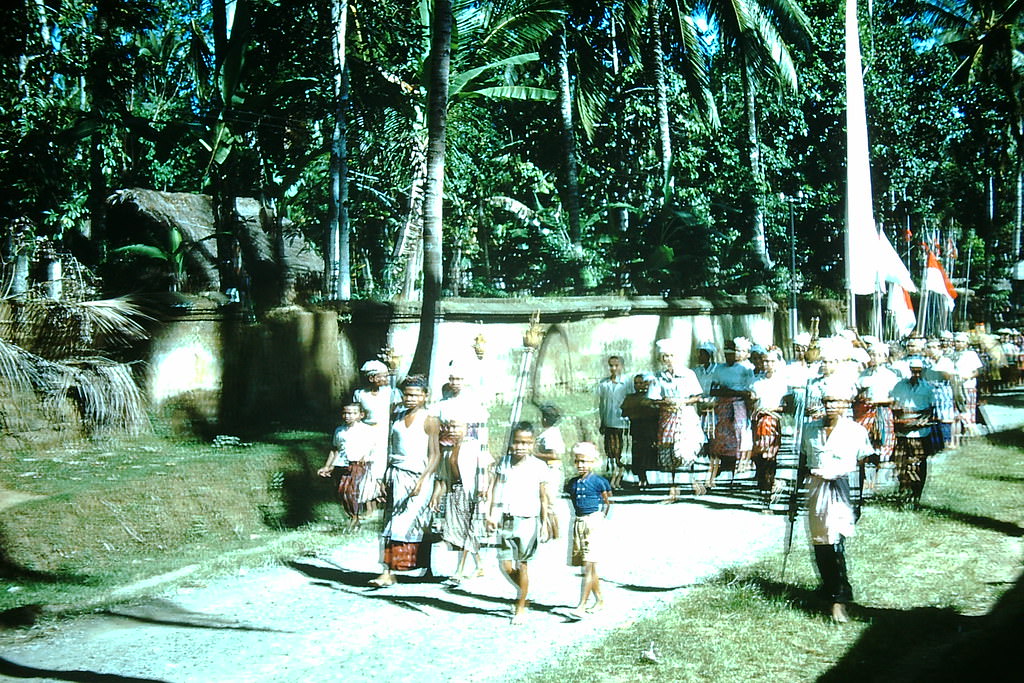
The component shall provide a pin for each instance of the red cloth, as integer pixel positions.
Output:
(349, 485)
(401, 556)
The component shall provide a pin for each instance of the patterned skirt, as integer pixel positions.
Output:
(732, 428)
(945, 409)
(680, 437)
(463, 520)
(350, 485)
(767, 434)
(878, 420)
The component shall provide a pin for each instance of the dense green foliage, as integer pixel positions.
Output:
(237, 98)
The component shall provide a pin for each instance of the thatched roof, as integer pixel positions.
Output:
(147, 216)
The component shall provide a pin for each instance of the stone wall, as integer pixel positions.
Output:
(209, 373)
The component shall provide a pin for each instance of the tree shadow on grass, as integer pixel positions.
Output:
(1013, 438)
(1003, 527)
(11, 570)
(923, 643)
(297, 491)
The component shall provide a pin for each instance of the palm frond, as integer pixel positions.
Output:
(515, 92)
(461, 80)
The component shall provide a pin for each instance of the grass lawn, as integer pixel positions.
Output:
(77, 522)
(938, 597)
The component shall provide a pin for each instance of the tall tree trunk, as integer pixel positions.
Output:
(408, 249)
(656, 71)
(618, 216)
(339, 258)
(433, 202)
(1018, 214)
(570, 176)
(757, 233)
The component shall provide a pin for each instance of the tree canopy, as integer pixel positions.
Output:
(650, 147)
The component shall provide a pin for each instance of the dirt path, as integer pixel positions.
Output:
(315, 620)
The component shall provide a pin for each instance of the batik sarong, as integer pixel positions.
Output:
(463, 521)
(879, 421)
(679, 437)
(406, 516)
(732, 428)
(350, 484)
(767, 441)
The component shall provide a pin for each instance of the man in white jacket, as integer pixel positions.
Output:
(834, 445)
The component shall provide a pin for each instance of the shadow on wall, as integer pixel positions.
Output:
(553, 372)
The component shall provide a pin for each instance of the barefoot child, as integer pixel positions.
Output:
(591, 497)
(519, 509)
(349, 461)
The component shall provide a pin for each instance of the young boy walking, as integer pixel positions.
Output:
(591, 497)
(520, 509)
(350, 459)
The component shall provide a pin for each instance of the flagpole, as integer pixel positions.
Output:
(861, 234)
(967, 283)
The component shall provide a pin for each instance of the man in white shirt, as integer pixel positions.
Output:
(610, 393)
(834, 446)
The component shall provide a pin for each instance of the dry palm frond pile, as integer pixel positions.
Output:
(55, 373)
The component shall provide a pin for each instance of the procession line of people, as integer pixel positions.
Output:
(870, 408)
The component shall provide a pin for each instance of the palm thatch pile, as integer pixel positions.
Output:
(58, 375)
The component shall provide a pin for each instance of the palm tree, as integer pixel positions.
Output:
(504, 32)
(757, 35)
(987, 36)
(338, 254)
(433, 202)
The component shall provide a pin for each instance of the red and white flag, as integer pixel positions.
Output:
(937, 282)
(902, 309)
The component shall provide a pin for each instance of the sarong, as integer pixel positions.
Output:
(767, 441)
(912, 463)
(679, 437)
(406, 518)
(945, 409)
(350, 484)
(878, 420)
(463, 520)
(732, 428)
(613, 442)
(970, 412)
(401, 556)
(829, 510)
(767, 434)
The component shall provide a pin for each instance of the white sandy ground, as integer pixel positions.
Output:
(317, 621)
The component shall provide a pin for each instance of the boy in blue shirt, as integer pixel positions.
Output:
(591, 497)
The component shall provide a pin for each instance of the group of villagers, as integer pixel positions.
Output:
(868, 406)
(433, 473)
